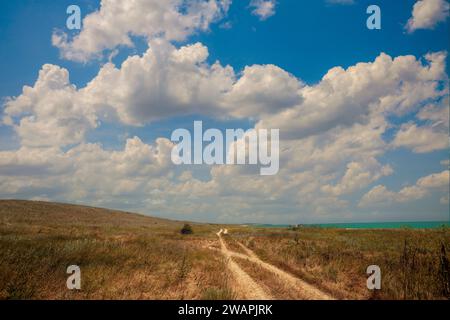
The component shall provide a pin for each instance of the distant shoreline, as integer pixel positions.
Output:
(366, 225)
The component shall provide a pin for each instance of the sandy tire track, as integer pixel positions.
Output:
(307, 291)
(245, 286)
(251, 290)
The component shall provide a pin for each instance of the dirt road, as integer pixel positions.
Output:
(245, 286)
(248, 288)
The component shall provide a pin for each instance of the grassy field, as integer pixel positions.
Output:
(121, 255)
(129, 256)
(414, 263)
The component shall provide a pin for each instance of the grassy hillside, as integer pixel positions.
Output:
(129, 256)
(121, 255)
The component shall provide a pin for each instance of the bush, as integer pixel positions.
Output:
(187, 229)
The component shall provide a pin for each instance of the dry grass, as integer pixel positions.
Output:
(336, 260)
(130, 256)
(121, 255)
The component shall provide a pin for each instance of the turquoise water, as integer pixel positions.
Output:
(371, 225)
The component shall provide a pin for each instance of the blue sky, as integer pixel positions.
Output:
(305, 39)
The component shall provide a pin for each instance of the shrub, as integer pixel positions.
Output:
(187, 229)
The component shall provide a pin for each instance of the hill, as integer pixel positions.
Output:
(121, 255)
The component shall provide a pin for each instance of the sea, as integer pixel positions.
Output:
(369, 225)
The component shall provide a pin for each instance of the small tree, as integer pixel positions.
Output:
(187, 229)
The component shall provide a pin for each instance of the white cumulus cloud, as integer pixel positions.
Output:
(380, 196)
(427, 14)
(117, 21)
(264, 9)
